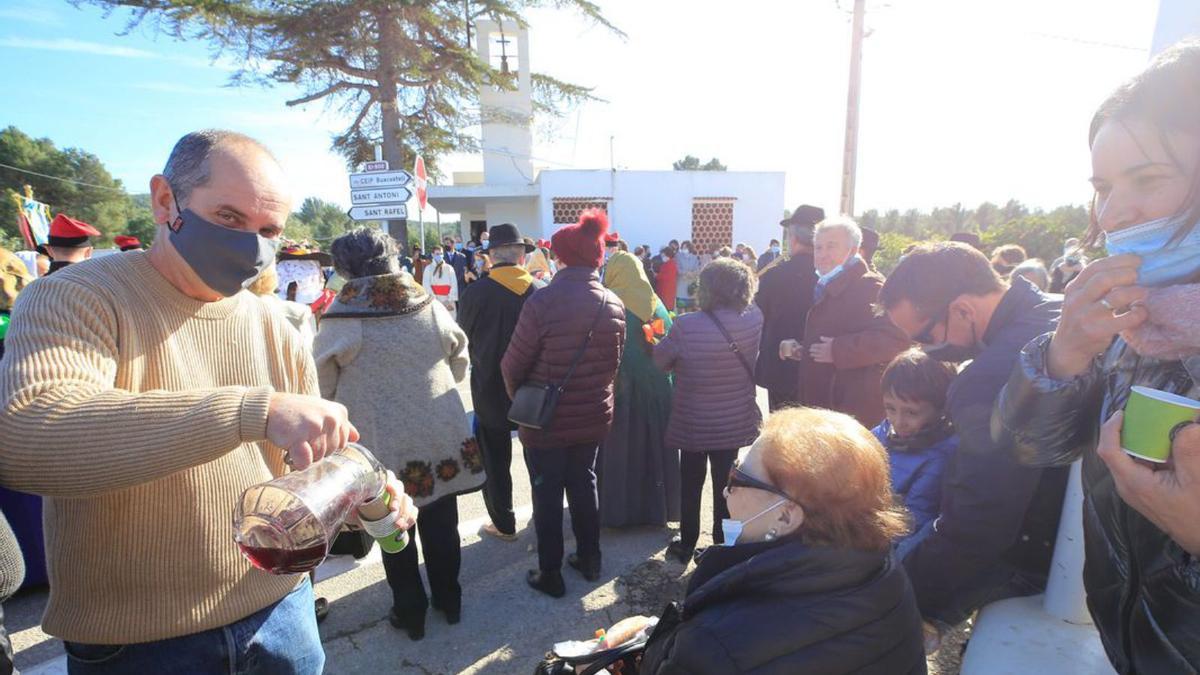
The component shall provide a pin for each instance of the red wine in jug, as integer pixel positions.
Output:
(277, 561)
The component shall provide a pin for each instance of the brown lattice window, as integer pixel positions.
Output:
(712, 223)
(567, 209)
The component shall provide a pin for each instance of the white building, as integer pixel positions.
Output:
(711, 208)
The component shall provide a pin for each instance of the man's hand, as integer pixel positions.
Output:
(1168, 497)
(822, 352)
(308, 427)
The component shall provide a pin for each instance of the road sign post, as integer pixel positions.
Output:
(377, 193)
(419, 173)
(378, 212)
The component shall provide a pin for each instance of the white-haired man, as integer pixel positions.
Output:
(846, 344)
(141, 394)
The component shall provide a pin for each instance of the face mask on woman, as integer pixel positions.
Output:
(732, 529)
(437, 258)
(1164, 262)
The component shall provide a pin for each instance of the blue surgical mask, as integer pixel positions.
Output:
(732, 529)
(485, 244)
(226, 260)
(437, 257)
(1164, 262)
(775, 250)
(458, 246)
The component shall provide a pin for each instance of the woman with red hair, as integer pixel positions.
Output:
(806, 582)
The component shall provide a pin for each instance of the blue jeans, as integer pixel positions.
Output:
(280, 639)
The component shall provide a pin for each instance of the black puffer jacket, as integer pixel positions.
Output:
(787, 608)
(1143, 589)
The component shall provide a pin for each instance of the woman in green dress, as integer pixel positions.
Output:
(638, 476)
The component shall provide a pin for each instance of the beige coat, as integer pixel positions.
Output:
(393, 357)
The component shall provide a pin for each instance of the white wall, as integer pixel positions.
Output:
(653, 207)
(523, 214)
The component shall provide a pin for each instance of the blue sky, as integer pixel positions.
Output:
(963, 100)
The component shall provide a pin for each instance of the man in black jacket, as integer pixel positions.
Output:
(785, 294)
(995, 535)
(488, 311)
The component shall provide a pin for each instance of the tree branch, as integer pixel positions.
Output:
(335, 87)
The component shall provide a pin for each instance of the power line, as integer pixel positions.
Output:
(65, 180)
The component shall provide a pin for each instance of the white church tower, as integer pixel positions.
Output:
(507, 115)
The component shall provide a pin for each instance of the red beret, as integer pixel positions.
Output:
(580, 245)
(67, 232)
(126, 242)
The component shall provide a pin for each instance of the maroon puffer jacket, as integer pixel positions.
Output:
(553, 325)
(714, 406)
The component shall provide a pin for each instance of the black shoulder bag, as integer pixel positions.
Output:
(533, 404)
(733, 347)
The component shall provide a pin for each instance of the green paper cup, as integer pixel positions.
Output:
(1150, 417)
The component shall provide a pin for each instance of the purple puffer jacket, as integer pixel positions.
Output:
(714, 405)
(553, 326)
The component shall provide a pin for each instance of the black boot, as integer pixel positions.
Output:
(453, 611)
(550, 583)
(412, 623)
(680, 551)
(590, 569)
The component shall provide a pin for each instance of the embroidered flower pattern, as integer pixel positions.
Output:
(472, 459)
(447, 469)
(418, 479)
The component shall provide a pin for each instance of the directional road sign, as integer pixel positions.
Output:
(379, 179)
(384, 212)
(396, 195)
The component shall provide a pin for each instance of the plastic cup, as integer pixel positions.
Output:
(1150, 418)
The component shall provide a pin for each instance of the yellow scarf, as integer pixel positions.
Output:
(625, 276)
(514, 278)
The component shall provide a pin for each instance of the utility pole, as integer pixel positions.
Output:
(850, 153)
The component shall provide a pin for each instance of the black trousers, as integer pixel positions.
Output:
(437, 528)
(498, 489)
(551, 472)
(691, 467)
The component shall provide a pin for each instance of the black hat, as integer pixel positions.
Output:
(507, 234)
(804, 215)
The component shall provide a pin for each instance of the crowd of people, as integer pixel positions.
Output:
(910, 470)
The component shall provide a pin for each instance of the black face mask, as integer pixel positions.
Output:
(951, 353)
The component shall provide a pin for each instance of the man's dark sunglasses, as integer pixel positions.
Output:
(739, 478)
(925, 337)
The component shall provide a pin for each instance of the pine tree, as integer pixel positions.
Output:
(404, 69)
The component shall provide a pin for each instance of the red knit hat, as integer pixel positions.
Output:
(582, 244)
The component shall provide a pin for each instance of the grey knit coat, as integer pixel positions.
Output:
(393, 357)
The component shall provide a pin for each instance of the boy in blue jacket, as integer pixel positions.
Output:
(918, 436)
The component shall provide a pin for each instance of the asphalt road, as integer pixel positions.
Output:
(506, 627)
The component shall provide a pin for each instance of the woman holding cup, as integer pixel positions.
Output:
(1125, 357)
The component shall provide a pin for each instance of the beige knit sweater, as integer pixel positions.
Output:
(141, 415)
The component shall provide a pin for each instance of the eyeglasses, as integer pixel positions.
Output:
(925, 337)
(738, 478)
